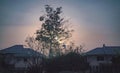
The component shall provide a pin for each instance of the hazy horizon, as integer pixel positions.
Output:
(95, 22)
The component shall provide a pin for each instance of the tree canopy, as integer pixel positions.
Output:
(52, 34)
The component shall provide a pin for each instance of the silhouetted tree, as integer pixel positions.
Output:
(53, 32)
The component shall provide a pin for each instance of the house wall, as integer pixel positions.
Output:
(9, 59)
(21, 63)
(92, 60)
(16, 62)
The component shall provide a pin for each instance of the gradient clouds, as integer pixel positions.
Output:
(95, 21)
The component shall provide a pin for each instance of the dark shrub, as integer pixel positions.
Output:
(70, 62)
(116, 60)
(37, 66)
(35, 69)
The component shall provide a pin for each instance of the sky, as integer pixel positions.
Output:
(96, 22)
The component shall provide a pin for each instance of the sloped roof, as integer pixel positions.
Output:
(19, 50)
(105, 50)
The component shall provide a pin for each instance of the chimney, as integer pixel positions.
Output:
(104, 45)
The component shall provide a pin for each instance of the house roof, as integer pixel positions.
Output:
(105, 50)
(19, 50)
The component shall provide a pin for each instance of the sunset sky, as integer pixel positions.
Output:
(95, 22)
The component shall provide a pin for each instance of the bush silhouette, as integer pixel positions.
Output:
(70, 62)
(116, 60)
